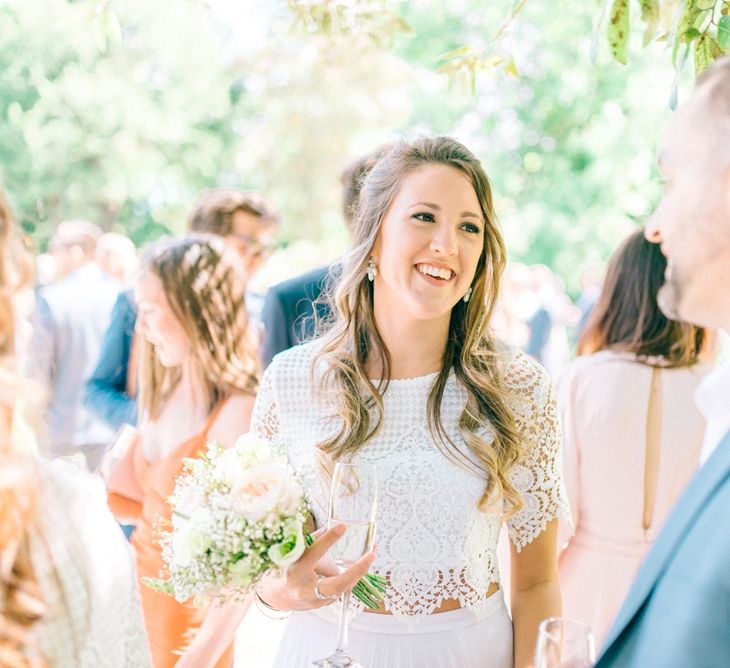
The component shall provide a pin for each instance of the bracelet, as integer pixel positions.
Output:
(263, 606)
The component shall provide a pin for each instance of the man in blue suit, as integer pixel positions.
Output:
(293, 308)
(677, 613)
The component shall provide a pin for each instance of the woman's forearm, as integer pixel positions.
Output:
(529, 607)
(215, 635)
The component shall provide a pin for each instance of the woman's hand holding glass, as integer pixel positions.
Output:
(296, 588)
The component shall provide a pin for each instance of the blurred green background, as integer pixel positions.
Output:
(121, 111)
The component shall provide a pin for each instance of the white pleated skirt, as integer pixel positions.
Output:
(460, 638)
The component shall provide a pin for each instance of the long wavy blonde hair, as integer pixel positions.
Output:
(352, 338)
(205, 292)
(21, 603)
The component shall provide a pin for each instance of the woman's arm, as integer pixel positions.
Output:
(535, 591)
(215, 635)
(534, 528)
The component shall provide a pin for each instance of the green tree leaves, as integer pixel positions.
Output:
(723, 33)
(706, 51)
(618, 30)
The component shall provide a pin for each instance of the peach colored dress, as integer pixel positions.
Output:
(170, 625)
(604, 404)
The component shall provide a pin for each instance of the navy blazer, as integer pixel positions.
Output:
(106, 391)
(288, 313)
(677, 612)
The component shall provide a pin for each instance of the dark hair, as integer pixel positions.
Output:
(214, 209)
(627, 316)
(352, 179)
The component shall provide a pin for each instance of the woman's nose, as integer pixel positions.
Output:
(444, 241)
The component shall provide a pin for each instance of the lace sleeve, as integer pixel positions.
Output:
(538, 476)
(265, 419)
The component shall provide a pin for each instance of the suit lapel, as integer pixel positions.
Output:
(683, 514)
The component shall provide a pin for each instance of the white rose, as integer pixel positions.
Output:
(190, 539)
(227, 466)
(286, 553)
(188, 500)
(265, 492)
(252, 448)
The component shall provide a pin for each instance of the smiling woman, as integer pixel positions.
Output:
(462, 430)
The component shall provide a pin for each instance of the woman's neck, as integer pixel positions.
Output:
(190, 389)
(416, 347)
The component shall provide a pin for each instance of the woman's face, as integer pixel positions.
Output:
(429, 245)
(157, 322)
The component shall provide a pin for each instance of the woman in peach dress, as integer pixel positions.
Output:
(198, 376)
(632, 434)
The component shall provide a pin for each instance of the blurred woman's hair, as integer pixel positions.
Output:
(205, 292)
(20, 598)
(214, 210)
(627, 316)
(7, 319)
(352, 340)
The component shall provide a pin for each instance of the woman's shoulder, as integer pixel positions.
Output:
(233, 419)
(522, 373)
(295, 362)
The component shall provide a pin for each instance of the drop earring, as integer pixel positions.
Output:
(372, 270)
(467, 296)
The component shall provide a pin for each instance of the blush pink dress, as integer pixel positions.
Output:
(604, 402)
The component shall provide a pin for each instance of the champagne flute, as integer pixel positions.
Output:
(564, 643)
(353, 502)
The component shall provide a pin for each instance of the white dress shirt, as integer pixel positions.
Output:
(713, 399)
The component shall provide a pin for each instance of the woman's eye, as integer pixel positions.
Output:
(425, 217)
(471, 228)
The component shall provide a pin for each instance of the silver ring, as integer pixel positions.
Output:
(319, 594)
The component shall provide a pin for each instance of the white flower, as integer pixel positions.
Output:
(252, 449)
(240, 573)
(227, 466)
(188, 500)
(287, 552)
(265, 492)
(190, 539)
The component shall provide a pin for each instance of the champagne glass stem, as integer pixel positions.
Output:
(344, 623)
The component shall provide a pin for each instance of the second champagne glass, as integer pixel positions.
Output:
(353, 502)
(564, 643)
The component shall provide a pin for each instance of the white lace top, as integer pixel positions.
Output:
(433, 541)
(85, 568)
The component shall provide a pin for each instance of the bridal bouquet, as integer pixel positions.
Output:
(238, 513)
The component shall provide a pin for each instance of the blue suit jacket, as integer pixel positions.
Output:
(677, 613)
(106, 391)
(288, 313)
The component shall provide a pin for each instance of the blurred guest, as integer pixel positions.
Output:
(198, 377)
(247, 223)
(548, 340)
(517, 302)
(46, 269)
(116, 256)
(632, 435)
(68, 323)
(67, 585)
(291, 308)
(591, 280)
